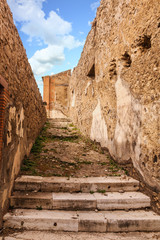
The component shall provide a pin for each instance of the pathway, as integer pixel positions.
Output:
(70, 185)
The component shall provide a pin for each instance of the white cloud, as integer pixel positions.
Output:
(89, 23)
(81, 33)
(52, 31)
(44, 60)
(95, 5)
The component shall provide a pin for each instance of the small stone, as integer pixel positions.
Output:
(121, 191)
(96, 210)
(105, 194)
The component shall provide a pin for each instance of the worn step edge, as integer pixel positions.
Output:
(60, 120)
(62, 184)
(80, 201)
(104, 221)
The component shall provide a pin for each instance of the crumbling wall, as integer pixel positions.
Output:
(115, 89)
(24, 110)
(55, 94)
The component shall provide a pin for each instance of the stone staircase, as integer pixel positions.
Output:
(93, 204)
(84, 204)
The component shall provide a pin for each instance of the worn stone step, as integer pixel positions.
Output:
(53, 120)
(80, 201)
(49, 235)
(62, 184)
(104, 221)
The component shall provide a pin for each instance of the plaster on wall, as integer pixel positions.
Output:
(99, 127)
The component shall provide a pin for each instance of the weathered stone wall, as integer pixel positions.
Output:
(115, 89)
(24, 110)
(55, 94)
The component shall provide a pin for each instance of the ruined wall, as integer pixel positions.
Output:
(115, 89)
(55, 94)
(24, 113)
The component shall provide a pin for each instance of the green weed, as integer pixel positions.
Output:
(91, 192)
(39, 208)
(27, 165)
(85, 162)
(101, 191)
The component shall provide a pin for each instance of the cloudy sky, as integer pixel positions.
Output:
(53, 32)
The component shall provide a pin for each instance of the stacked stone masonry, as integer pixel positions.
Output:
(23, 112)
(4, 98)
(115, 89)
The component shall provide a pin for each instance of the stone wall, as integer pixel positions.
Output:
(115, 89)
(55, 94)
(23, 112)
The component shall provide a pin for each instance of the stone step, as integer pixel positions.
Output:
(63, 184)
(80, 221)
(49, 235)
(59, 120)
(80, 201)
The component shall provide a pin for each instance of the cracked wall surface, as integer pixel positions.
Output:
(24, 111)
(115, 88)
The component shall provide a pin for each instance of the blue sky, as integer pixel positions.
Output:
(53, 32)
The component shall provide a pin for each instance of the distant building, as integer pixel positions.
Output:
(55, 94)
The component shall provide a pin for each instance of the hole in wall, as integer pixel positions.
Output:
(127, 59)
(143, 163)
(155, 159)
(91, 72)
(112, 69)
(144, 42)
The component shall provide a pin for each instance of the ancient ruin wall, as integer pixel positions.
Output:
(55, 94)
(115, 89)
(24, 113)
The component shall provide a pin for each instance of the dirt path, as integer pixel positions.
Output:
(61, 150)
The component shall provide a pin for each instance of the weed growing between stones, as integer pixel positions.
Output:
(101, 191)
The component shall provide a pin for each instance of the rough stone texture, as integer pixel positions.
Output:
(55, 94)
(24, 112)
(81, 236)
(88, 221)
(114, 90)
(57, 184)
(80, 201)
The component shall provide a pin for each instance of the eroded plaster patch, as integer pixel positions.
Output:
(12, 114)
(19, 123)
(127, 133)
(73, 98)
(86, 89)
(99, 127)
(18, 119)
